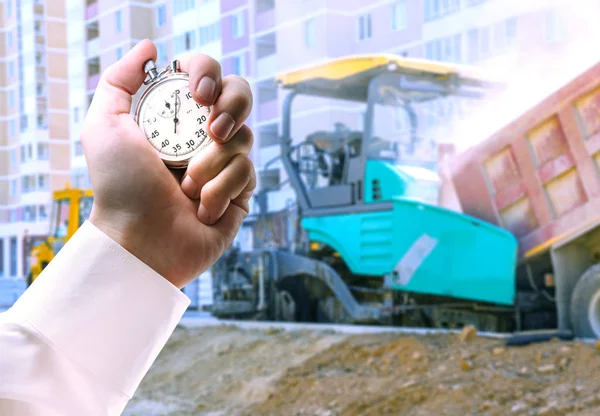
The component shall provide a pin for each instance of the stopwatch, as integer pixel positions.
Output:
(172, 121)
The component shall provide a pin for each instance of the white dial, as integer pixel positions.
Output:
(174, 123)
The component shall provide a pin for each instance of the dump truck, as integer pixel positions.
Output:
(71, 207)
(372, 245)
(538, 178)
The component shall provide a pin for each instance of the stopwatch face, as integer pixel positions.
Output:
(173, 122)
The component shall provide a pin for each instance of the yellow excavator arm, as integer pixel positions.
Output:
(70, 208)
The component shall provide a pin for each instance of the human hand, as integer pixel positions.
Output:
(178, 229)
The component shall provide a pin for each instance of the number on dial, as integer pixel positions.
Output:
(173, 122)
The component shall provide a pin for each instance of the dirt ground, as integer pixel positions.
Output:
(229, 371)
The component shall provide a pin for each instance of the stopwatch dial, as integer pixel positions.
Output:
(174, 123)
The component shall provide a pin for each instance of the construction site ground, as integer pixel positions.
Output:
(225, 370)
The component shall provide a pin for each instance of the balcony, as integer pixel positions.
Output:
(266, 67)
(264, 20)
(92, 81)
(91, 10)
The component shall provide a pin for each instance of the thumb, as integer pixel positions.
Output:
(121, 80)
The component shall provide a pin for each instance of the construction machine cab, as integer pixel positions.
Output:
(70, 209)
(342, 168)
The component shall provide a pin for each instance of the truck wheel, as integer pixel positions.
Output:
(585, 304)
(292, 302)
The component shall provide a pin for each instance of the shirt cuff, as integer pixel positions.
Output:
(104, 308)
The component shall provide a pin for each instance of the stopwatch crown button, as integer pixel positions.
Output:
(150, 69)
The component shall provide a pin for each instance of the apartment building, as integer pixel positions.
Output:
(34, 133)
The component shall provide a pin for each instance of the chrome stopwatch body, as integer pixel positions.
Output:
(172, 121)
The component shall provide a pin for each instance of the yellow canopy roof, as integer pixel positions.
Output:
(349, 77)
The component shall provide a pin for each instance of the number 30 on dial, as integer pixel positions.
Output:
(173, 122)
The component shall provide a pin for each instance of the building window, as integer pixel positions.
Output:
(399, 15)
(23, 154)
(239, 65)
(10, 39)
(210, 33)
(27, 184)
(11, 98)
(181, 6)
(119, 21)
(11, 69)
(1, 257)
(555, 30)
(511, 31)
(434, 9)
(12, 155)
(13, 187)
(42, 213)
(446, 49)
(364, 26)
(24, 122)
(43, 151)
(309, 33)
(237, 24)
(484, 41)
(41, 122)
(13, 256)
(185, 42)
(12, 128)
(78, 148)
(43, 182)
(29, 213)
(76, 114)
(505, 34)
(472, 3)
(161, 51)
(119, 53)
(473, 45)
(161, 15)
(9, 8)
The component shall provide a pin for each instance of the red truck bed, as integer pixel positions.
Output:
(539, 177)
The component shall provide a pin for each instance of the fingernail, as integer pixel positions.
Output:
(203, 215)
(206, 88)
(190, 188)
(222, 126)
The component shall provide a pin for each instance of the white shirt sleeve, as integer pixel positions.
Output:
(84, 334)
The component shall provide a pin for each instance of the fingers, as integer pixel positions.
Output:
(121, 80)
(231, 108)
(233, 185)
(231, 97)
(205, 77)
(208, 163)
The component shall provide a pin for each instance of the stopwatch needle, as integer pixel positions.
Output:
(175, 120)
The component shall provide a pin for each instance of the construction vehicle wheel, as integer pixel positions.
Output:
(585, 304)
(292, 302)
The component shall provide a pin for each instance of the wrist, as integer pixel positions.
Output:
(134, 236)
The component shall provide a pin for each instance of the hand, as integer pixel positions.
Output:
(178, 229)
